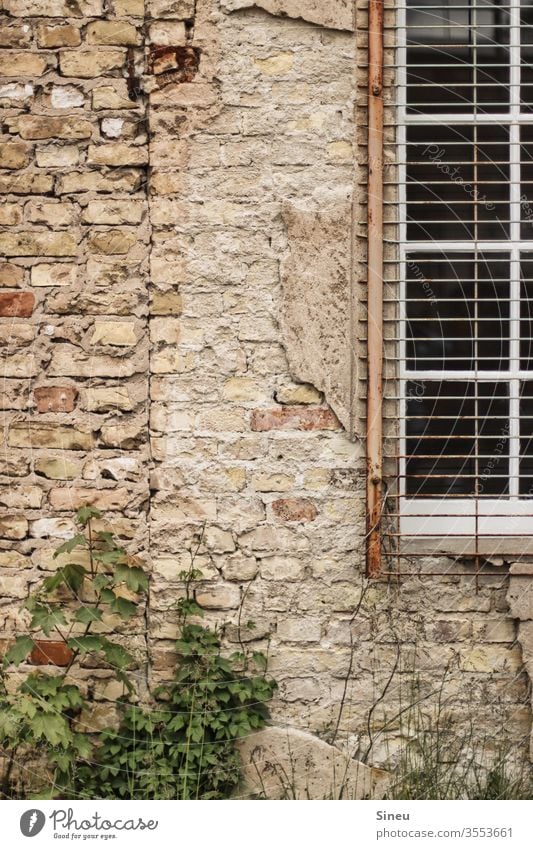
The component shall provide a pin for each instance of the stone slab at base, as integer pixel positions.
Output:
(283, 763)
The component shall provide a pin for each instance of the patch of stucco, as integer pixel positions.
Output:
(334, 14)
(315, 315)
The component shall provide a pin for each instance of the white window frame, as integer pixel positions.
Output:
(450, 516)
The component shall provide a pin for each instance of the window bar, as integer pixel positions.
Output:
(515, 217)
(375, 288)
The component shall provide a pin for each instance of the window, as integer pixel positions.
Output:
(465, 133)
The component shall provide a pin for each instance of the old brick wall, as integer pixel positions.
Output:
(74, 299)
(165, 168)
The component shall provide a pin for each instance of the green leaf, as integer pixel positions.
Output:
(74, 575)
(45, 618)
(82, 744)
(134, 577)
(19, 651)
(88, 614)
(117, 656)
(71, 544)
(101, 581)
(108, 558)
(86, 644)
(71, 575)
(125, 609)
(53, 728)
(107, 596)
(106, 536)
(123, 678)
(84, 514)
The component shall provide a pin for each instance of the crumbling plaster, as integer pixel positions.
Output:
(334, 14)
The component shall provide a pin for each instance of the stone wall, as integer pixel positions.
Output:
(178, 288)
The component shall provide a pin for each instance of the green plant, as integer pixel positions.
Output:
(442, 760)
(39, 717)
(185, 747)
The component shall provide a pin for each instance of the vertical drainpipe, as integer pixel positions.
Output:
(374, 422)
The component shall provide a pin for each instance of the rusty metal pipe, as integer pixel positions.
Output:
(374, 426)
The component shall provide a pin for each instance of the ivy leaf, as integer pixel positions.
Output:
(84, 514)
(125, 609)
(70, 545)
(19, 651)
(134, 577)
(117, 655)
(88, 614)
(47, 618)
(86, 644)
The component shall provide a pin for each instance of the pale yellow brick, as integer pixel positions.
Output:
(120, 333)
(101, 399)
(168, 33)
(112, 32)
(41, 127)
(90, 63)
(112, 96)
(57, 156)
(243, 389)
(34, 243)
(57, 468)
(117, 153)
(15, 64)
(32, 435)
(275, 65)
(52, 214)
(10, 214)
(63, 35)
(113, 211)
(59, 274)
(14, 155)
(272, 482)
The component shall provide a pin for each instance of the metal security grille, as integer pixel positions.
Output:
(458, 278)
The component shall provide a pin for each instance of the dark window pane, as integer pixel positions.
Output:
(457, 438)
(457, 182)
(457, 56)
(526, 57)
(526, 438)
(457, 311)
(526, 312)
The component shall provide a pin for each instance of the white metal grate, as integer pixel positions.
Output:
(459, 210)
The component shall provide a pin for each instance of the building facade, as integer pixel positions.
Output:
(184, 324)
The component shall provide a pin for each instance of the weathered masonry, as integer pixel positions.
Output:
(183, 321)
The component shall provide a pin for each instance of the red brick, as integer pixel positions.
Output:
(55, 399)
(182, 61)
(17, 304)
(295, 509)
(295, 418)
(49, 652)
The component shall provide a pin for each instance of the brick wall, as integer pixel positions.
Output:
(147, 158)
